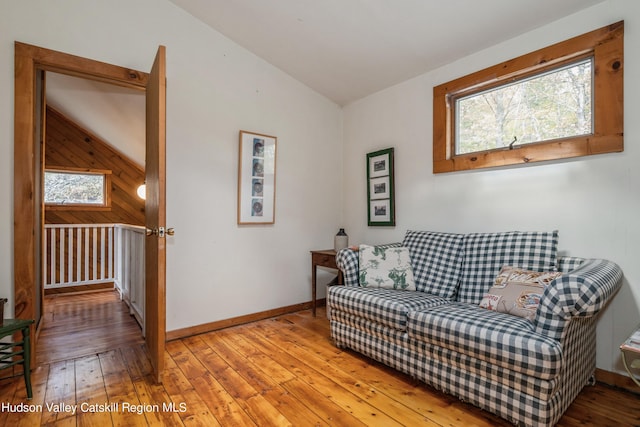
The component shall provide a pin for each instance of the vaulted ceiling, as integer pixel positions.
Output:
(343, 49)
(348, 49)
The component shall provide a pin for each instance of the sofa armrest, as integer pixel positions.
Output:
(348, 261)
(582, 292)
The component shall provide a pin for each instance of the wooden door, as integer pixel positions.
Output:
(155, 257)
(28, 61)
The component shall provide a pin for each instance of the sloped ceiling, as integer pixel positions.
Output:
(348, 49)
(343, 49)
(113, 113)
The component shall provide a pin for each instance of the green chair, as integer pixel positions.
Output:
(17, 352)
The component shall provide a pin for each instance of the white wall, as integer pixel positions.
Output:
(593, 202)
(215, 269)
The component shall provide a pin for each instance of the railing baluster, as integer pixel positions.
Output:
(102, 253)
(86, 254)
(70, 255)
(78, 254)
(61, 250)
(95, 253)
(53, 256)
(127, 266)
(110, 251)
(44, 258)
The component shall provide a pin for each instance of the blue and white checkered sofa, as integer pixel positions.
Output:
(527, 372)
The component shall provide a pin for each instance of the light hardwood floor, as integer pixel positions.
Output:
(85, 324)
(275, 372)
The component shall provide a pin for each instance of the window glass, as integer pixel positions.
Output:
(552, 105)
(74, 188)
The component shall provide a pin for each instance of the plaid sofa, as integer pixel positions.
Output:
(525, 371)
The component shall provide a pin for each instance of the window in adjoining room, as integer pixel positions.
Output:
(561, 101)
(73, 189)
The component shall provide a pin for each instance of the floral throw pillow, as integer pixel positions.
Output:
(517, 291)
(386, 268)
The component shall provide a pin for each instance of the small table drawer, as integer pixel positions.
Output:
(324, 260)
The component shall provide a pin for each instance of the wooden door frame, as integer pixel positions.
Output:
(29, 61)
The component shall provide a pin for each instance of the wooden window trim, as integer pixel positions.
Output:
(106, 206)
(606, 47)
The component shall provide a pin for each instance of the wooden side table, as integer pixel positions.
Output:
(10, 355)
(631, 348)
(322, 258)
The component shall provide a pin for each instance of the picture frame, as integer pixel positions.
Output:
(380, 188)
(256, 178)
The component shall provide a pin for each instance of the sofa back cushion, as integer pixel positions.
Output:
(486, 253)
(437, 261)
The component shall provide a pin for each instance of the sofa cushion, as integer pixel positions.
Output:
(386, 268)
(486, 253)
(517, 292)
(388, 307)
(437, 261)
(497, 338)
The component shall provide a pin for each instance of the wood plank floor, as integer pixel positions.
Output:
(85, 324)
(275, 372)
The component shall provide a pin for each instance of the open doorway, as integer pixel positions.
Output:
(30, 61)
(93, 237)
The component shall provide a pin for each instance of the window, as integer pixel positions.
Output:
(76, 189)
(558, 102)
(555, 104)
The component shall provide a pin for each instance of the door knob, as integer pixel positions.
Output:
(160, 232)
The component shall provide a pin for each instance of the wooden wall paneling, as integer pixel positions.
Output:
(69, 145)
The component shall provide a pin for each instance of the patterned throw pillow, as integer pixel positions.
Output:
(386, 268)
(518, 292)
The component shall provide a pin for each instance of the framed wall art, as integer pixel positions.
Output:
(380, 190)
(256, 178)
